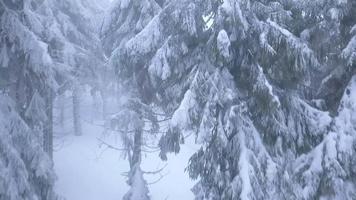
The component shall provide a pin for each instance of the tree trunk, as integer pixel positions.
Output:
(104, 97)
(139, 189)
(48, 127)
(76, 110)
(61, 102)
(136, 154)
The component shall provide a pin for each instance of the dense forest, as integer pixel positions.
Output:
(264, 90)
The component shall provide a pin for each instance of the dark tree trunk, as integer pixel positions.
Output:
(136, 154)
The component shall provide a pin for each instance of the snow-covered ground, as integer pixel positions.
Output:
(87, 170)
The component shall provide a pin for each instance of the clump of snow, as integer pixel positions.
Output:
(346, 119)
(232, 7)
(223, 44)
(265, 45)
(334, 13)
(209, 20)
(350, 51)
(159, 66)
(181, 115)
(263, 83)
(146, 40)
(226, 6)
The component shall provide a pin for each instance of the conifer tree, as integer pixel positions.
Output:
(124, 21)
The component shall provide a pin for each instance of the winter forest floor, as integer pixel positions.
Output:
(88, 170)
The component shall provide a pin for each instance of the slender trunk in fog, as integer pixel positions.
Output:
(76, 110)
(136, 154)
(48, 127)
(104, 97)
(61, 102)
(95, 105)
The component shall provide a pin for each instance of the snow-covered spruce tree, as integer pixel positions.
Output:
(27, 82)
(288, 126)
(245, 86)
(124, 21)
(25, 169)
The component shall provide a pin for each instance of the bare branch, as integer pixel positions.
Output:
(156, 181)
(150, 151)
(110, 146)
(151, 147)
(155, 172)
(158, 121)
